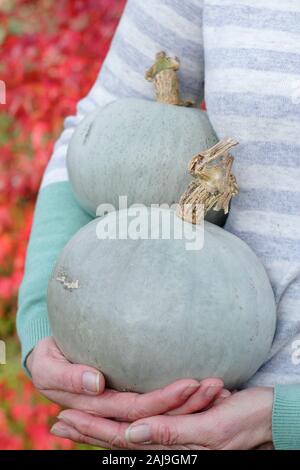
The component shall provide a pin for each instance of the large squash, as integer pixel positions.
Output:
(139, 148)
(148, 311)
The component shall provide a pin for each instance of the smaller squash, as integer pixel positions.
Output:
(139, 148)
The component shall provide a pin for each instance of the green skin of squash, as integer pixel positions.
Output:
(148, 312)
(139, 149)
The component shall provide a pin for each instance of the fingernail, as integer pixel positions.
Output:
(189, 390)
(211, 391)
(138, 434)
(225, 394)
(61, 415)
(91, 382)
(60, 430)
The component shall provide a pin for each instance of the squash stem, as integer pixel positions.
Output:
(214, 184)
(163, 74)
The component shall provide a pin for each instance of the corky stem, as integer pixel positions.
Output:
(164, 75)
(214, 183)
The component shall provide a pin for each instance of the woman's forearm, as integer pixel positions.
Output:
(57, 218)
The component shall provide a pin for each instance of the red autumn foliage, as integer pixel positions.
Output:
(51, 53)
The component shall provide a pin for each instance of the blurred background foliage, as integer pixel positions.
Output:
(50, 55)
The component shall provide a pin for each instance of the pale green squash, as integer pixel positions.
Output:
(136, 148)
(140, 149)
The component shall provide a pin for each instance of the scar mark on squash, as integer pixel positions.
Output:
(67, 284)
(87, 134)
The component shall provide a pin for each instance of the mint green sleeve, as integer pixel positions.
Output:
(286, 417)
(57, 218)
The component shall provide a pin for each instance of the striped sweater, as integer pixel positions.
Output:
(243, 57)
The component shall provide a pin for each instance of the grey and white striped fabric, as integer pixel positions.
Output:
(244, 56)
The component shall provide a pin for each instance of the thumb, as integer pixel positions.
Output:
(74, 378)
(52, 371)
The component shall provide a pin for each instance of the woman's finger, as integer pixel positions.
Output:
(209, 391)
(101, 429)
(129, 406)
(64, 430)
(223, 395)
(50, 370)
(160, 430)
(173, 430)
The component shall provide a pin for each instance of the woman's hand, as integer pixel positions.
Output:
(239, 422)
(242, 421)
(83, 388)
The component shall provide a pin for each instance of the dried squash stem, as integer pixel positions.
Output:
(214, 184)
